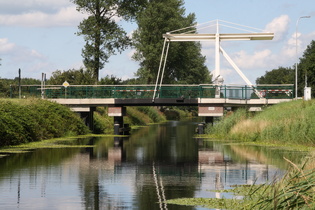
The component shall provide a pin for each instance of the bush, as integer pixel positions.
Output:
(103, 124)
(154, 114)
(136, 117)
(175, 113)
(30, 120)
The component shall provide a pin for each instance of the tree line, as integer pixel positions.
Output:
(286, 75)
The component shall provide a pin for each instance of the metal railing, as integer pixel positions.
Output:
(147, 91)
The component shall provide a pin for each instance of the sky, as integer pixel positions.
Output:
(39, 36)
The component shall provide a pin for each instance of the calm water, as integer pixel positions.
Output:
(156, 163)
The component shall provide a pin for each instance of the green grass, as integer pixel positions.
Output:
(289, 122)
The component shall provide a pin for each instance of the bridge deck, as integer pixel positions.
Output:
(166, 102)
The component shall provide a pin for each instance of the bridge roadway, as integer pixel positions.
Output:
(224, 102)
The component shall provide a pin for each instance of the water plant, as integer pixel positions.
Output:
(296, 190)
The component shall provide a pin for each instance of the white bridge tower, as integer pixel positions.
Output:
(191, 34)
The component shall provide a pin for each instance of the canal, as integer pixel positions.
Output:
(154, 164)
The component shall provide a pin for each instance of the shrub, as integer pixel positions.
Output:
(102, 122)
(30, 120)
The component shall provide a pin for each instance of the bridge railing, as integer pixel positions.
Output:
(147, 91)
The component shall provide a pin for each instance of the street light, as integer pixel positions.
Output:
(296, 49)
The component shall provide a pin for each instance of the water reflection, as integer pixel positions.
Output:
(156, 163)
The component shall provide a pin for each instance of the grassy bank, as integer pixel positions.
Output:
(29, 120)
(290, 122)
(135, 116)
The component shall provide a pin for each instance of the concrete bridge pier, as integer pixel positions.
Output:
(118, 125)
(118, 113)
(209, 111)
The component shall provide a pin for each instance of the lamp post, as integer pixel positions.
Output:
(296, 51)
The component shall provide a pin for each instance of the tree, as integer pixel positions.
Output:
(9, 87)
(185, 64)
(103, 36)
(306, 69)
(110, 80)
(281, 75)
(72, 76)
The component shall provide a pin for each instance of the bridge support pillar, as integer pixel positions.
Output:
(118, 113)
(118, 124)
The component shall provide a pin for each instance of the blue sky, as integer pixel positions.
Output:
(39, 36)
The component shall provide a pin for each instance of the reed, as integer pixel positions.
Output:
(294, 191)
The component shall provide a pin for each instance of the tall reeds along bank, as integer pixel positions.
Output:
(288, 122)
(28, 120)
(222, 128)
(296, 190)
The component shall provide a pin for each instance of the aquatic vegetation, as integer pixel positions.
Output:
(296, 190)
(207, 202)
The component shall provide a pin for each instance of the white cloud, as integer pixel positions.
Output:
(26, 6)
(246, 61)
(6, 46)
(130, 53)
(279, 26)
(66, 16)
(14, 56)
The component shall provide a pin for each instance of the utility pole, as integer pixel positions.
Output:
(19, 83)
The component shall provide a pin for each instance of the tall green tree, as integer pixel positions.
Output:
(102, 34)
(306, 69)
(185, 64)
(281, 75)
(72, 76)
